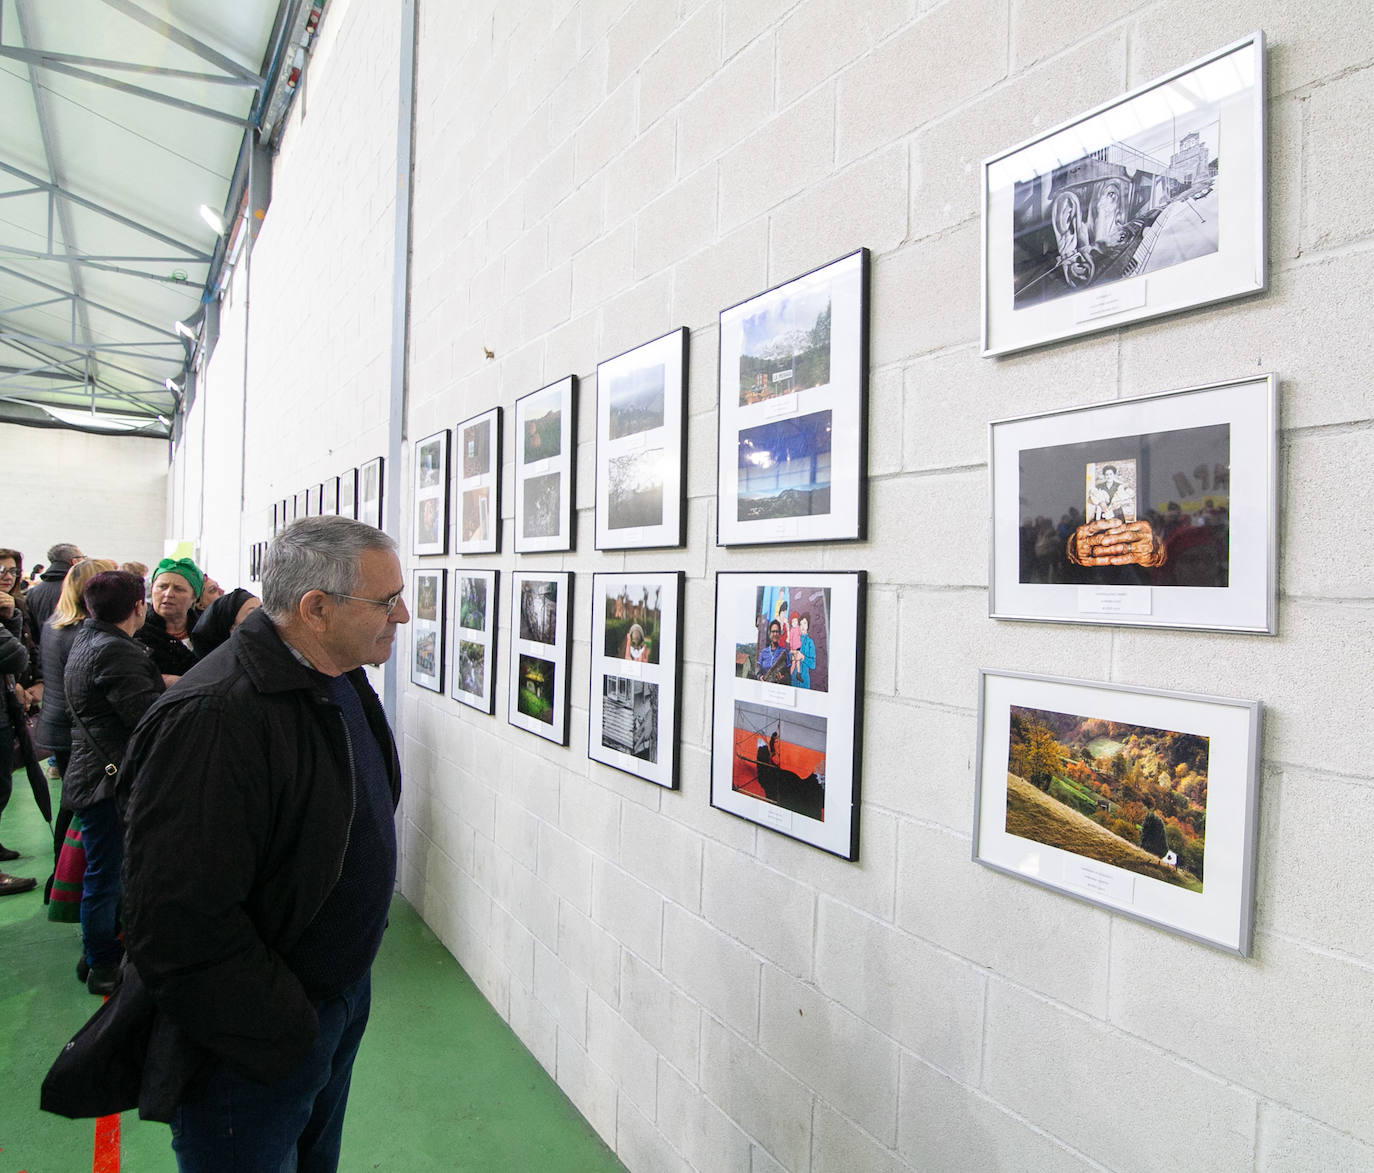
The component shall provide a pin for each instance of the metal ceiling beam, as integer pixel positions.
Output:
(50, 155)
(87, 258)
(96, 305)
(126, 348)
(43, 57)
(143, 92)
(33, 305)
(184, 39)
(109, 213)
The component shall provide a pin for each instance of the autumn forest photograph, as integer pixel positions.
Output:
(1127, 795)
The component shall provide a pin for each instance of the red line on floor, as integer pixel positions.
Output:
(106, 1145)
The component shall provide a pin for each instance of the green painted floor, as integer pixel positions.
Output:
(441, 1083)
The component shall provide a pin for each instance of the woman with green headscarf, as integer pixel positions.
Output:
(177, 583)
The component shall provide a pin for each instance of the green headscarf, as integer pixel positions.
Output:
(188, 570)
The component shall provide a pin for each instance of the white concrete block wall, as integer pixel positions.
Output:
(107, 494)
(713, 996)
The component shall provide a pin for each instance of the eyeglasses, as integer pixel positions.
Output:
(388, 604)
(9, 572)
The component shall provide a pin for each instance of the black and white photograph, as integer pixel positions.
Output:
(635, 697)
(545, 446)
(1149, 204)
(370, 492)
(474, 608)
(1141, 801)
(792, 459)
(641, 445)
(1157, 511)
(786, 729)
(540, 645)
(427, 633)
(479, 483)
(348, 493)
(431, 494)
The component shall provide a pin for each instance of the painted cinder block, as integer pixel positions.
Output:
(630, 910)
(1293, 1143)
(565, 994)
(944, 1124)
(765, 1100)
(590, 814)
(644, 25)
(709, 281)
(587, 1085)
(818, 38)
(1309, 1052)
(617, 1050)
(927, 294)
(848, 1063)
(913, 77)
(591, 952)
(928, 1000)
(1036, 1050)
(640, 1144)
(1316, 515)
(719, 974)
(729, 104)
(862, 206)
(785, 155)
(676, 67)
(660, 1012)
(677, 224)
(924, 758)
(605, 132)
(640, 173)
(695, 1127)
(866, 885)
(657, 850)
(565, 865)
(762, 909)
(840, 1146)
(1039, 939)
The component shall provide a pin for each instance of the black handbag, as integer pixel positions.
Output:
(100, 1070)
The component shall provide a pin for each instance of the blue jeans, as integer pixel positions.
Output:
(102, 835)
(237, 1125)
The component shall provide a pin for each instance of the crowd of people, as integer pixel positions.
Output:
(86, 646)
(225, 830)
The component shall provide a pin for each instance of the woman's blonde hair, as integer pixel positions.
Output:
(70, 610)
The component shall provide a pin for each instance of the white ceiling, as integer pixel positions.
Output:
(102, 248)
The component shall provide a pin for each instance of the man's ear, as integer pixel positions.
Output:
(314, 610)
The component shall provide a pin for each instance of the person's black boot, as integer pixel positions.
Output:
(102, 979)
(83, 971)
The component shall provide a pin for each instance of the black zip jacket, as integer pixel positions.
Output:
(238, 797)
(172, 657)
(109, 683)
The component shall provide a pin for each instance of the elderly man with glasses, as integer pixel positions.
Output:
(261, 857)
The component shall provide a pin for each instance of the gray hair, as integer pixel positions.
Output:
(315, 554)
(63, 552)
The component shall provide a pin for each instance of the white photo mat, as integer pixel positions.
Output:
(640, 398)
(371, 485)
(1122, 165)
(427, 603)
(634, 699)
(819, 729)
(1247, 408)
(1221, 914)
(545, 460)
(431, 478)
(477, 509)
(538, 694)
(795, 458)
(472, 676)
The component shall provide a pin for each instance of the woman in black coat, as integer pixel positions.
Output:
(110, 682)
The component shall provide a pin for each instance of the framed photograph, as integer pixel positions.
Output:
(786, 719)
(348, 493)
(1138, 800)
(479, 483)
(1152, 512)
(1147, 205)
(317, 500)
(331, 496)
(431, 494)
(545, 459)
(427, 629)
(641, 446)
(302, 504)
(636, 657)
(474, 607)
(540, 640)
(370, 492)
(793, 396)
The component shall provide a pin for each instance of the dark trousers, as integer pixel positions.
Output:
(237, 1125)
